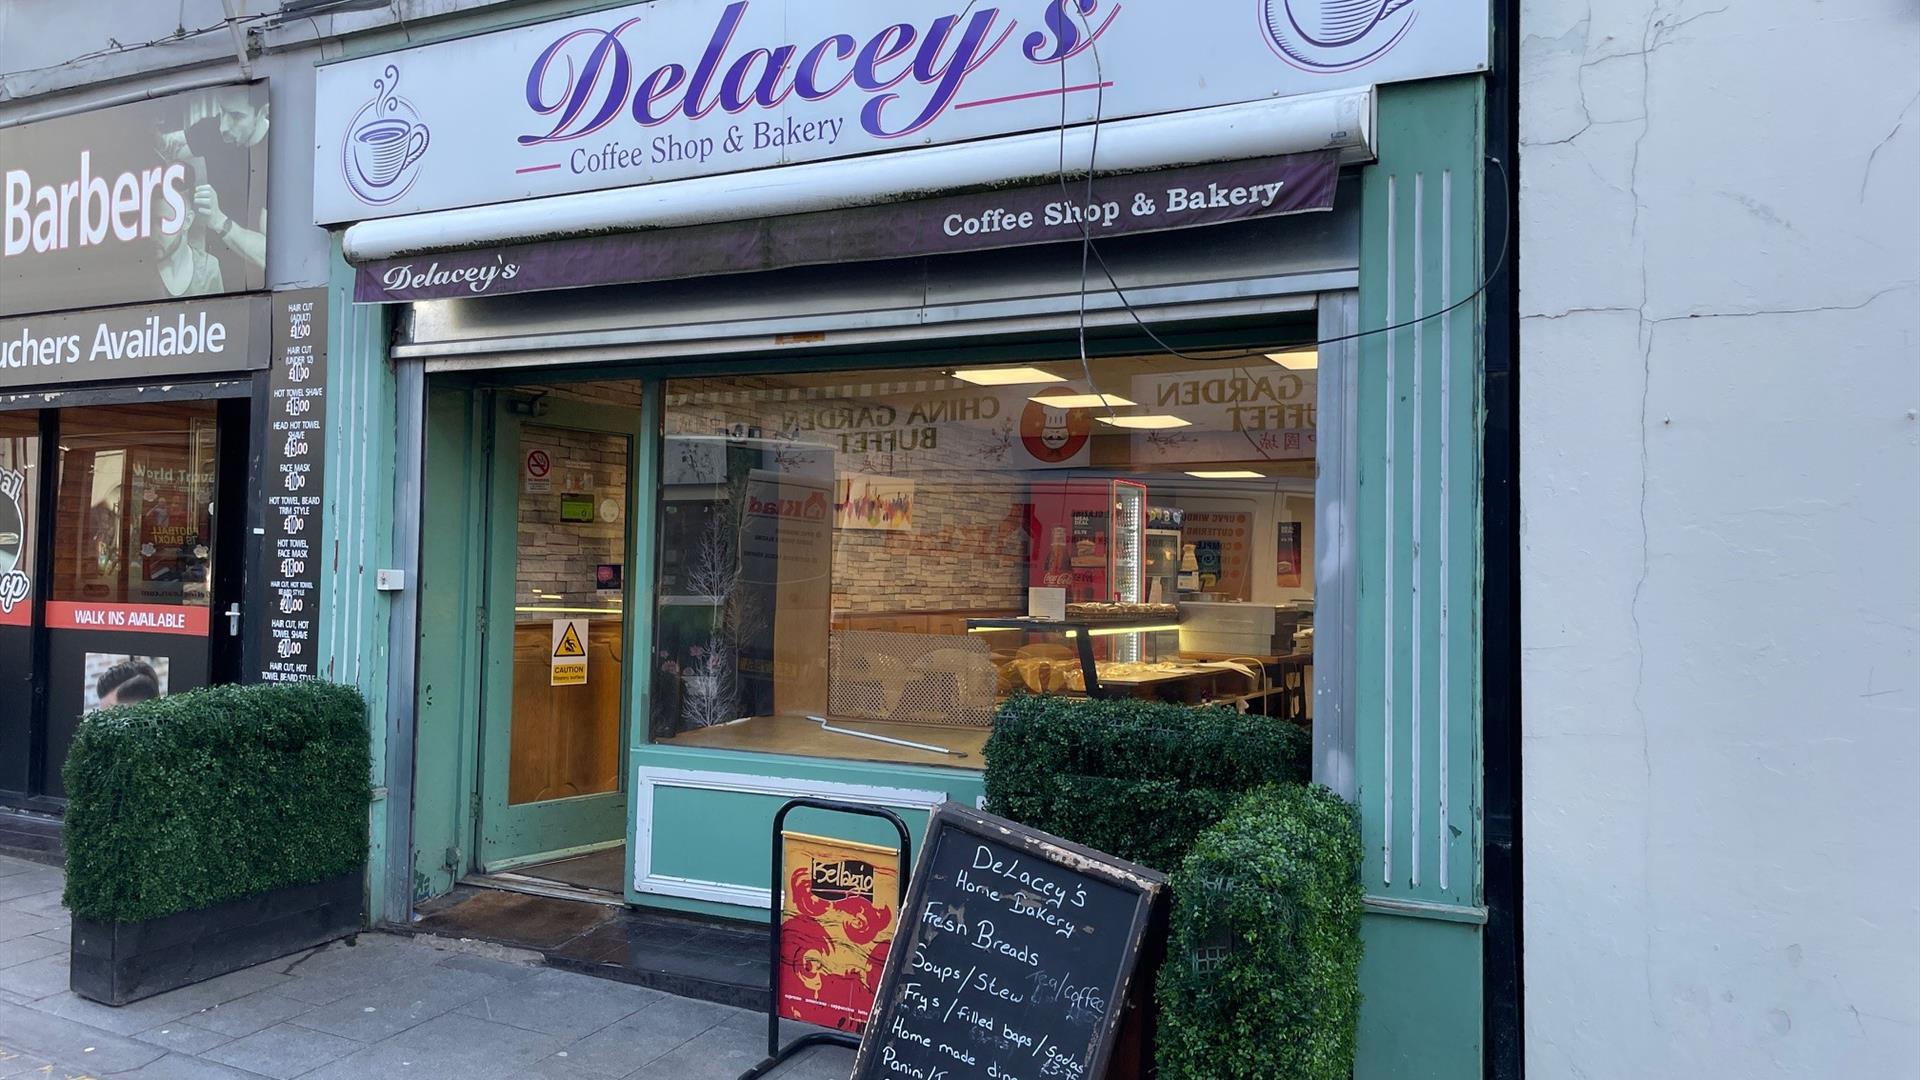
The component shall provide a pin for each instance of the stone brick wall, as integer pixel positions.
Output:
(558, 558)
(967, 549)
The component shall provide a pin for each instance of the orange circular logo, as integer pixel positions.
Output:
(1054, 434)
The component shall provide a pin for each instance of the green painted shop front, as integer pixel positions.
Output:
(420, 448)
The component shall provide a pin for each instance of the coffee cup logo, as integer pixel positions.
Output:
(385, 142)
(1334, 35)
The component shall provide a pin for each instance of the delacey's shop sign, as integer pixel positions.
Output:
(1015, 959)
(296, 429)
(142, 342)
(681, 88)
(1036, 214)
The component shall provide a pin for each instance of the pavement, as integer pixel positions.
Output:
(385, 1006)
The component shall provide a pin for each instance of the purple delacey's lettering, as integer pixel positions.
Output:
(1068, 41)
(807, 80)
(664, 81)
(582, 89)
(733, 90)
(882, 47)
(710, 61)
(584, 93)
(946, 78)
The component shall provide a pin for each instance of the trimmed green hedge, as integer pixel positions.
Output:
(1137, 779)
(1262, 977)
(187, 801)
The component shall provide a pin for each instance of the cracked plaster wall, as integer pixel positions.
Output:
(1720, 297)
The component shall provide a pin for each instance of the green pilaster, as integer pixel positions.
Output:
(447, 706)
(358, 522)
(1417, 626)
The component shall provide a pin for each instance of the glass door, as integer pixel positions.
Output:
(129, 608)
(553, 735)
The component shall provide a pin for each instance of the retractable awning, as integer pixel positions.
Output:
(1341, 121)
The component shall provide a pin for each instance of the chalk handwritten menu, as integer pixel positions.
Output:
(296, 437)
(1013, 959)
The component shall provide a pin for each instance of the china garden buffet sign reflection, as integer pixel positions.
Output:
(681, 88)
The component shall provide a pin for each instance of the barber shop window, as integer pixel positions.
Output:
(864, 564)
(134, 520)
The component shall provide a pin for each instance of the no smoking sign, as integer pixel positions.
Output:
(539, 467)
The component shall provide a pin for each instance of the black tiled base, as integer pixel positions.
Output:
(119, 962)
(709, 959)
(34, 837)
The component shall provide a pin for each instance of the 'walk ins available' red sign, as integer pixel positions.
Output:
(128, 618)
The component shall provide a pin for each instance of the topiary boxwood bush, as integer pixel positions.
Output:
(1262, 976)
(1137, 779)
(187, 801)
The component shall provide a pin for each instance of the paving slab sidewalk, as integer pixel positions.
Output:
(386, 1006)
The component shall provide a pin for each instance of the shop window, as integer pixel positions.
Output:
(134, 511)
(19, 499)
(843, 555)
(19, 502)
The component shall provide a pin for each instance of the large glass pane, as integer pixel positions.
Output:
(136, 506)
(569, 573)
(19, 516)
(837, 549)
(133, 554)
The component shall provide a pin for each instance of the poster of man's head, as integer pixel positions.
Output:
(148, 201)
(118, 679)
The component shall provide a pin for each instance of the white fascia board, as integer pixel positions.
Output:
(1341, 120)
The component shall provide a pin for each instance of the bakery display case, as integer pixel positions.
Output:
(1066, 657)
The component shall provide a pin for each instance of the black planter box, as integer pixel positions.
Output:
(118, 962)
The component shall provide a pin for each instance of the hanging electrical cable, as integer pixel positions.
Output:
(180, 33)
(1089, 247)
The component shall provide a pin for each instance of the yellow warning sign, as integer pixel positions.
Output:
(569, 653)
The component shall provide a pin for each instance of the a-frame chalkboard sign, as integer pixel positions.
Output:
(1014, 957)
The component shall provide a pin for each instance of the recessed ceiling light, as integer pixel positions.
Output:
(1012, 376)
(1297, 359)
(1081, 401)
(1226, 474)
(1144, 423)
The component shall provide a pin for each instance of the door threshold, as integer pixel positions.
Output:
(508, 881)
(643, 946)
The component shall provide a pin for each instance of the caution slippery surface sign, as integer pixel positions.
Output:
(569, 653)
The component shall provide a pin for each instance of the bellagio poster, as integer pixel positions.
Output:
(837, 923)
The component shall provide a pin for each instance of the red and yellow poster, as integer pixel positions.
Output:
(841, 909)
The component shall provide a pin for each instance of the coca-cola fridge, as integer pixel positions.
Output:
(1089, 538)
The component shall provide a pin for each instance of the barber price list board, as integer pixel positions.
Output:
(296, 427)
(1014, 959)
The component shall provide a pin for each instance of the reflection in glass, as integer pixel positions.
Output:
(135, 512)
(831, 544)
(572, 541)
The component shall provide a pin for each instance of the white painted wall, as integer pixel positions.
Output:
(1720, 238)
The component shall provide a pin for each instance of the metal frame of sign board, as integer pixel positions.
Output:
(1149, 887)
(776, 913)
